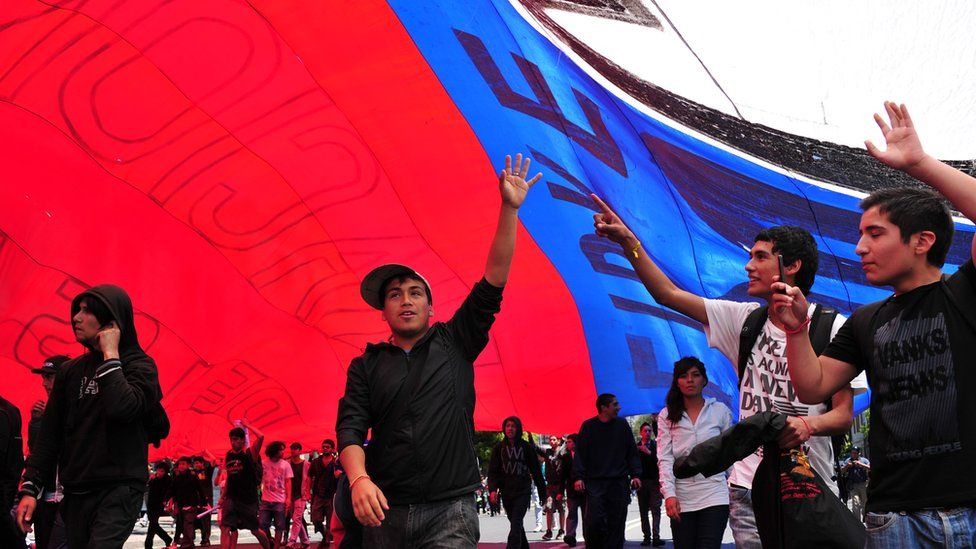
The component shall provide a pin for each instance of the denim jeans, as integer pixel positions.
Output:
(702, 529)
(952, 528)
(102, 518)
(447, 524)
(742, 519)
(515, 508)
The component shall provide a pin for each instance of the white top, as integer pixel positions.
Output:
(273, 479)
(766, 386)
(674, 441)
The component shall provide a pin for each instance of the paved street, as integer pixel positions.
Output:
(494, 531)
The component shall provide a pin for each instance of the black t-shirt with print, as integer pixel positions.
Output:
(243, 476)
(918, 351)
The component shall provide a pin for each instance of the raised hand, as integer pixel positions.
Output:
(107, 340)
(512, 184)
(789, 308)
(608, 224)
(903, 150)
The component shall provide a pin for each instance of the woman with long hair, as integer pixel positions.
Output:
(698, 506)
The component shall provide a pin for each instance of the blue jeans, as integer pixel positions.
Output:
(950, 528)
(271, 513)
(442, 524)
(742, 519)
(702, 529)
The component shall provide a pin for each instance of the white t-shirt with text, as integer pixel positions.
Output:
(766, 384)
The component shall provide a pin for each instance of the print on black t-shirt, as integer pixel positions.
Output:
(914, 377)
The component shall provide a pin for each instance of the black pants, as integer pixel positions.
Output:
(649, 500)
(574, 507)
(605, 517)
(156, 530)
(48, 526)
(702, 529)
(515, 509)
(102, 518)
(203, 524)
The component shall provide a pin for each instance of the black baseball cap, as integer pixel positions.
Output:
(371, 288)
(51, 365)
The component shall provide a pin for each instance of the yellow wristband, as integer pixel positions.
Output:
(634, 250)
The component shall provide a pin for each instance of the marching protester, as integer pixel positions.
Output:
(48, 524)
(575, 499)
(698, 507)
(856, 470)
(649, 494)
(298, 530)
(754, 342)
(157, 490)
(916, 347)
(605, 459)
(188, 500)
(555, 487)
(512, 469)
(239, 499)
(417, 478)
(109, 396)
(276, 475)
(323, 474)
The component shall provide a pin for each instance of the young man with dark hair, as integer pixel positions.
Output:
(575, 499)
(555, 488)
(513, 467)
(157, 490)
(48, 524)
(95, 431)
(323, 477)
(239, 499)
(421, 458)
(649, 494)
(188, 500)
(203, 471)
(606, 457)
(275, 491)
(763, 381)
(856, 470)
(916, 347)
(11, 464)
(297, 529)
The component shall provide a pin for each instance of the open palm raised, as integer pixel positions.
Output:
(511, 182)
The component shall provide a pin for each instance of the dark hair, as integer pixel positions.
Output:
(645, 424)
(296, 446)
(914, 210)
(198, 459)
(675, 401)
(401, 278)
(604, 400)
(95, 306)
(274, 449)
(237, 432)
(183, 459)
(164, 465)
(571, 437)
(329, 441)
(794, 243)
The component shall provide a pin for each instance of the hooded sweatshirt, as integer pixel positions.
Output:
(93, 427)
(514, 465)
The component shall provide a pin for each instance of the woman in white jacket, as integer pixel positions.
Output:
(698, 506)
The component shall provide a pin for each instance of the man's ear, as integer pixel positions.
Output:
(924, 242)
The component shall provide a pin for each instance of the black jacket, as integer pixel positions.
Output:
(93, 427)
(606, 451)
(11, 451)
(427, 454)
(515, 465)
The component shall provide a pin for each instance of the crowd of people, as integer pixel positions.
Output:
(412, 483)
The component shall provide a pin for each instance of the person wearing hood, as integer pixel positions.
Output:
(94, 431)
(513, 467)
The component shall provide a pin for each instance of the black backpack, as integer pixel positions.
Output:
(821, 321)
(156, 423)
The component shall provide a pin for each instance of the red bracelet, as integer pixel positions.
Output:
(805, 424)
(359, 478)
(798, 329)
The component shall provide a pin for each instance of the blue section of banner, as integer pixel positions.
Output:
(695, 206)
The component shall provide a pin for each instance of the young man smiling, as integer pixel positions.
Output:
(764, 384)
(916, 347)
(414, 484)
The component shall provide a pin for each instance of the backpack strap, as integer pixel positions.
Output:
(961, 294)
(751, 329)
(821, 323)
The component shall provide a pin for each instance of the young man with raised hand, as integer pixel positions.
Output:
(415, 482)
(916, 347)
(764, 384)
